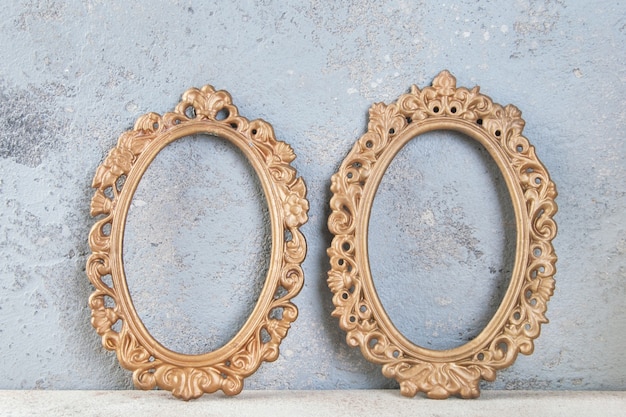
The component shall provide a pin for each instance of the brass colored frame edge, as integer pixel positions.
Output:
(517, 321)
(113, 315)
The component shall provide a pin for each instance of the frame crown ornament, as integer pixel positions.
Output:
(517, 322)
(113, 315)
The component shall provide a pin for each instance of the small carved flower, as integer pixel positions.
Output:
(295, 209)
(102, 318)
(118, 162)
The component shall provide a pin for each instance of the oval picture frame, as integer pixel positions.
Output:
(516, 323)
(201, 111)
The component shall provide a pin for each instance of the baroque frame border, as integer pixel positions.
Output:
(361, 314)
(113, 314)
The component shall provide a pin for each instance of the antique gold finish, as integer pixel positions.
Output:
(517, 321)
(113, 314)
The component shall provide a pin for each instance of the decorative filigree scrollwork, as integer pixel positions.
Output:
(113, 315)
(517, 321)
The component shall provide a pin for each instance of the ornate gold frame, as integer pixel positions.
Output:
(113, 314)
(517, 321)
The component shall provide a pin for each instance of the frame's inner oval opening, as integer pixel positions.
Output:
(197, 244)
(441, 239)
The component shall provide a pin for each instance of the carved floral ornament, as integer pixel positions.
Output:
(113, 314)
(458, 371)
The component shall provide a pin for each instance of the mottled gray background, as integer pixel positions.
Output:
(74, 75)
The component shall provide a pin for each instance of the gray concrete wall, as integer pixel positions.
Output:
(74, 75)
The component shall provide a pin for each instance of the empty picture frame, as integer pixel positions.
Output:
(458, 371)
(201, 111)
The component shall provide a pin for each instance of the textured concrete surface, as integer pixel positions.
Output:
(311, 403)
(74, 75)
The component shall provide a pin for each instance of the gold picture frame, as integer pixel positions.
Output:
(458, 371)
(201, 111)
